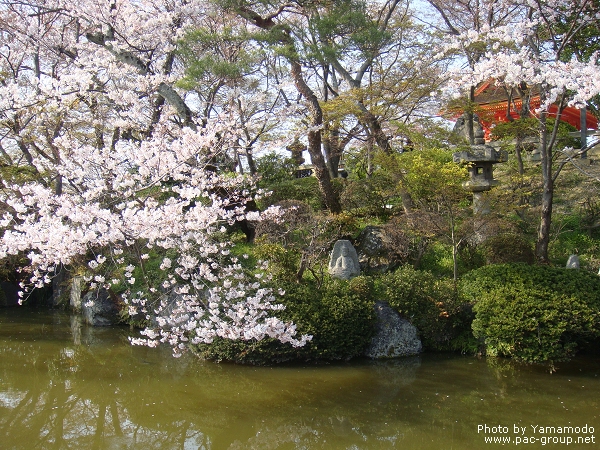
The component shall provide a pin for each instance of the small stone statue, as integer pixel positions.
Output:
(344, 261)
(573, 262)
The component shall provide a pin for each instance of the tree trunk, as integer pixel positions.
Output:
(519, 154)
(454, 251)
(547, 144)
(250, 160)
(333, 150)
(58, 281)
(543, 239)
(314, 133)
(470, 117)
(541, 248)
(524, 113)
(314, 139)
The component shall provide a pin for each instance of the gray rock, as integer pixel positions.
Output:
(372, 242)
(382, 248)
(75, 295)
(58, 297)
(343, 263)
(395, 336)
(99, 309)
(573, 262)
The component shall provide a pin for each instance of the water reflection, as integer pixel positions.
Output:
(64, 385)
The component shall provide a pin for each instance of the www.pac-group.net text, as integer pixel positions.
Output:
(536, 434)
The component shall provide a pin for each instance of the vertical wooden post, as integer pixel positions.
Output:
(583, 118)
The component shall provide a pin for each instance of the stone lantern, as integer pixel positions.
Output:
(481, 160)
(296, 148)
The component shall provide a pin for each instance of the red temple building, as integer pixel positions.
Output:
(492, 101)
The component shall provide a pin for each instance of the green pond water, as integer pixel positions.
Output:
(63, 385)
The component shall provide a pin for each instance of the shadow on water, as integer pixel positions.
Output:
(64, 385)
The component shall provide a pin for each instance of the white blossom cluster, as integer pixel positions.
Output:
(107, 218)
(79, 108)
(235, 308)
(523, 49)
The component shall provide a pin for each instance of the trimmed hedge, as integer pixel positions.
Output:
(508, 248)
(536, 314)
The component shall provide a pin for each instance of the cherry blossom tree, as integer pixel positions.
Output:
(463, 18)
(529, 51)
(122, 170)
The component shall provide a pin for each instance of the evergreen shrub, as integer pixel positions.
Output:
(302, 189)
(508, 248)
(536, 314)
(437, 259)
(432, 305)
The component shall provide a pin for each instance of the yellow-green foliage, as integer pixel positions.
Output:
(432, 175)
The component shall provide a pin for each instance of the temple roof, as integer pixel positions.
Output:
(490, 92)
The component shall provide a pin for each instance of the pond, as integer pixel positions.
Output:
(64, 385)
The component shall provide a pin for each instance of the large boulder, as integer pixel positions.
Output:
(99, 309)
(573, 262)
(382, 248)
(395, 336)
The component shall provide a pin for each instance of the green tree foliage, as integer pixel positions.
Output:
(434, 183)
(275, 168)
(376, 66)
(218, 54)
(528, 128)
(377, 194)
